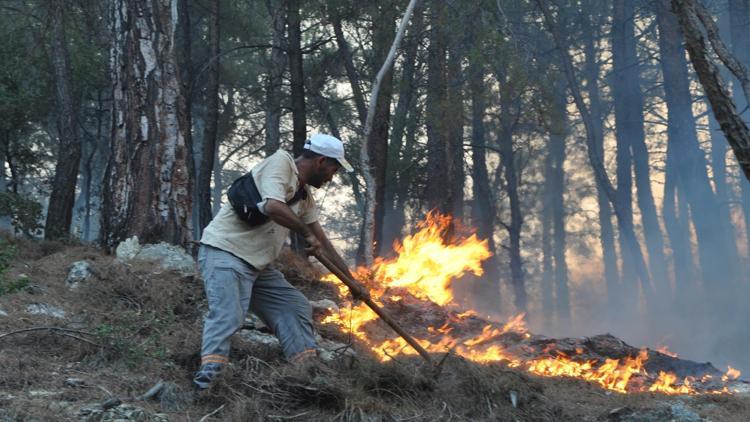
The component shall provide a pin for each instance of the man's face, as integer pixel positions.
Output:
(325, 168)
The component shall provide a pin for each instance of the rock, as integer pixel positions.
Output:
(128, 249)
(3, 313)
(681, 412)
(675, 412)
(170, 257)
(253, 322)
(80, 272)
(256, 337)
(44, 393)
(45, 309)
(324, 307)
(329, 350)
(120, 413)
(75, 382)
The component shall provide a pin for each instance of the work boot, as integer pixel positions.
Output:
(206, 375)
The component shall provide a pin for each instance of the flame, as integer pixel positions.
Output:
(425, 268)
(426, 265)
(665, 383)
(665, 350)
(731, 374)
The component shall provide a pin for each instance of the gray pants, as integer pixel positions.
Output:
(232, 286)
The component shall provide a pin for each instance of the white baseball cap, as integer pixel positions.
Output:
(328, 146)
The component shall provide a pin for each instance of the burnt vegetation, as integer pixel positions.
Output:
(135, 327)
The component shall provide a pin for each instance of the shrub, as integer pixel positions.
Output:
(7, 253)
(25, 213)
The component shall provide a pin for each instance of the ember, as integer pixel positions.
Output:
(417, 286)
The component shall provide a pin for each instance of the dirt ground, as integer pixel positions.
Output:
(136, 326)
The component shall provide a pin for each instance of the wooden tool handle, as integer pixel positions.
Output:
(353, 285)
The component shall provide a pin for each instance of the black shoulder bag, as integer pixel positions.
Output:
(244, 197)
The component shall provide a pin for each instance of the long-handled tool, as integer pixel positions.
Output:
(353, 285)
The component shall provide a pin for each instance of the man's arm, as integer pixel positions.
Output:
(281, 213)
(334, 256)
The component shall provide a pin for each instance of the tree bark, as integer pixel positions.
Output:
(60, 210)
(148, 178)
(367, 171)
(509, 112)
(716, 262)
(351, 72)
(275, 77)
(735, 129)
(615, 291)
(556, 172)
(739, 25)
(486, 291)
(210, 133)
(593, 138)
(624, 131)
(297, 79)
(383, 32)
(630, 134)
(438, 193)
(676, 221)
(393, 220)
(455, 116)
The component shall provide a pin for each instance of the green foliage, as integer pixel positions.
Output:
(8, 251)
(25, 213)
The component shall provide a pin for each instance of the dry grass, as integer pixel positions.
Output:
(146, 326)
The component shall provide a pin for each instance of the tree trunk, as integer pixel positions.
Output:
(405, 111)
(593, 138)
(615, 291)
(367, 163)
(557, 137)
(183, 40)
(629, 107)
(486, 291)
(455, 116)
(210, 133)
(735, 129)
(275, 77)
(717, 264)
(739, 25)
(351, 72)
(297, 79)
(226, 125)
(60, 210)
(676, 221)
(148, 190)
(508, 109)
(625, 128)
(438, 194)
(383, 32)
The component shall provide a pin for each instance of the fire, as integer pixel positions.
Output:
(731, 374)
(666, 384)
(665, 350)
(425, 268)
(612, 374)
(426, 265)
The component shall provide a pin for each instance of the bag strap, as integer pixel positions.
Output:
(299, 195)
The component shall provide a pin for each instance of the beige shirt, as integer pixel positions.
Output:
(276, 178)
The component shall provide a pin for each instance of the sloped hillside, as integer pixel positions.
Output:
(120, 340)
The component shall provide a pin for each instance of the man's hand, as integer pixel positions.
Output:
(314, 246)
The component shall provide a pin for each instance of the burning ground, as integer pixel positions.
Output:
(93, 352)
(416, 286)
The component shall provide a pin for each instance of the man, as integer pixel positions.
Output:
(234, 256)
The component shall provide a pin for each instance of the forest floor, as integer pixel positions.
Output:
(94, 352)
